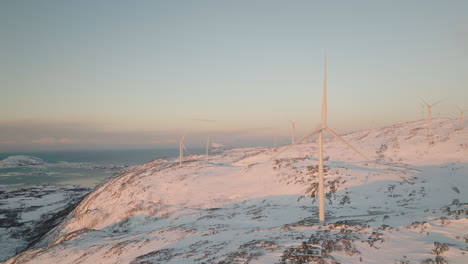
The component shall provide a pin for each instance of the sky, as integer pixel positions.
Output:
(141, 74)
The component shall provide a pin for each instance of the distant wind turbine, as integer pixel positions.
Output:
(320, 131)
(293, 130)
(208, 146)
(181, 150)
(461, 116)
(429, 115)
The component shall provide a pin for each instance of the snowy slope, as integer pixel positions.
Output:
(242, 207)
(26, 211)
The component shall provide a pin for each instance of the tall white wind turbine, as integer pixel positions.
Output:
(320, 131)
(429, 115)
(293, 130)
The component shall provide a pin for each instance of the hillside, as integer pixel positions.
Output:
(242, 207)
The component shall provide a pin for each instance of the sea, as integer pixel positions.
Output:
(82, 168)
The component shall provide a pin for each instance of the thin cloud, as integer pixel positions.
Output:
(162, 141)
(54, 141)
(203, 120)
(7, 142)
(39, 134)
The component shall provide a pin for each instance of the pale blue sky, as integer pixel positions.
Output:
(78, 74)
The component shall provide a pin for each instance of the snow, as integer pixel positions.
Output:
(242, 207)
(23, 209)
(20, 161)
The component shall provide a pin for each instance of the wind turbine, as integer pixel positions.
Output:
(429, 115)
(461, 116)
(208, 145)
(320, 131)
(293, 130)
(181, 150)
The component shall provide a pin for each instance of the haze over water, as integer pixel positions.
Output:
(84, 168)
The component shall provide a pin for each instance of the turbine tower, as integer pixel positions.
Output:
(320, 131)
(208, 147)
(181, 150)
(461, 117)
(293, 130)
(429, 115)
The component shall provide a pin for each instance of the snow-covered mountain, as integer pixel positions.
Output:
(242, 207)
(20, 161)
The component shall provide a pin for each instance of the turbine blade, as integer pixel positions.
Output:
(437, 102)
(324, 94)
(298, 141)
(364, 156)
(182, 140)
(346, 143)
(422, 103)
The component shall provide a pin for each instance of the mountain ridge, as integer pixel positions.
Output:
(257, 210)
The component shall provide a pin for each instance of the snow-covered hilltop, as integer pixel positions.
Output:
(20, 161)
(242, 207)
